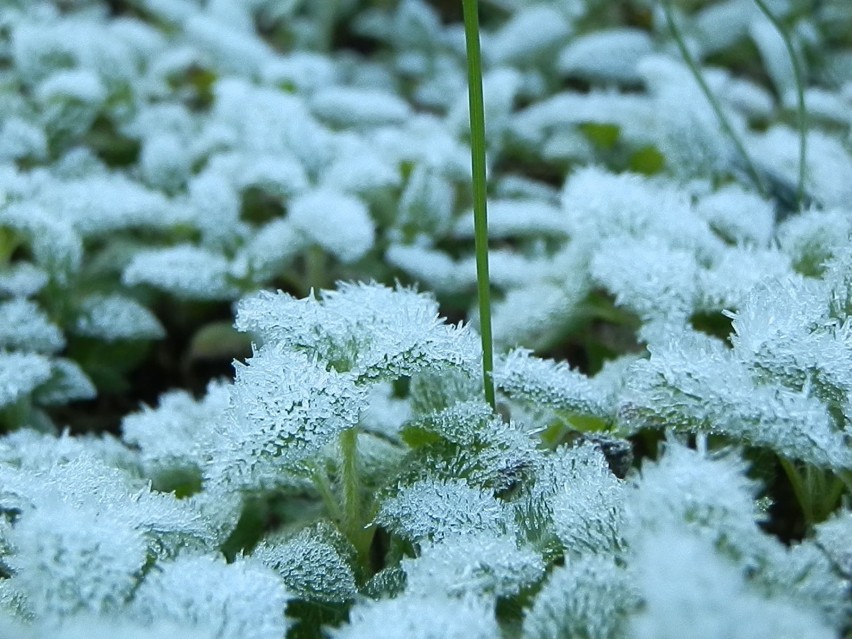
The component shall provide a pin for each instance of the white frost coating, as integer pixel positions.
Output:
(738, 215)
(728, 282)
(165, 162)
(513, 44)
(24, 326)
(232, 51)
(22, 279)
(435, 269)
(435, 510)
(271, 249)
(116, 317)
(20, 139)
(285, 407)
(421, 617)
(352, 107)
(684, 583)
(67, 383)
(81, 85)
(606, 56)
(242, 600)
(341, 224)
(70, 560)
(186, 271)
(21, 373)
(588, 597)
(478, 564)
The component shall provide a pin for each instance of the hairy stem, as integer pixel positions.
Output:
(801, 112)
(480, 209)
(752, 171)
(354, 526)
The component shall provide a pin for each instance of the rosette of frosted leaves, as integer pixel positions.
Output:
(480, 564)
(431, 616)
(242, 600)
(371, 331)
(315, 563)
(590, 597)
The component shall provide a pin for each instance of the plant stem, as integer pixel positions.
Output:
(353, 523)
(801, 111)
(708, 94)
(800, 490)
(480, 208)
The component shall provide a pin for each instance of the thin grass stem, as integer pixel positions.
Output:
(480, 207)
(750, 167)
(801, 111)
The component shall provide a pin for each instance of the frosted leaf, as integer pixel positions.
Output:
(315, 564)
(427, 202)
(576, 494)
(608, 56)
(694, 384)
(172, 437)
(478, 564)
(116, 317)
(546, 382)
(271, 249)
(776, 58)
(285, 407)
(232, 50)
(185, 271)
(536, 316)
(371, 330)
(832, 537)
(517, 218)
(305, 71)
(599, 205)
(23, 325)
(165, 162)
(278, 174)
(353, 107)
(433, 268)
(358, 167)
(385, 414)
(20, 139)
(435, 510)
(711, 495)
(813, 237)
(588, 598)
(685, 584)
(69, 560)
(434, 390)
(340, 224)
(433, 616)
(512, 44)
(462, 423)
(92, 627)
(78, 85)
(738, 215)
(242, 600)
(55, 246)
(215, 206)
(99, 205)
(729, 281)
(67, 383)
(22, 279)
(20, 374)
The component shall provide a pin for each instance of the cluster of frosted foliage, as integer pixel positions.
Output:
(315, 564)
(242, 600)
(338, 223)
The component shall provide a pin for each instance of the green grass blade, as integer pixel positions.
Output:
(480, 212)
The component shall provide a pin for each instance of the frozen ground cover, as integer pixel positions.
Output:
(232, 405)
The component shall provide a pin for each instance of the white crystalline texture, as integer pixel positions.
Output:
(371, 330)
(165, 162)
(20, 374)
(116, 317)
(590, 597)
(22, 279)
(513, 44)
(478, 564)
(24, 326)
(67, 383)
(185, 271)
(738, 215)
(312, 564)
(606, 56)
(70, 560)
(435, 510)
(433, 616)
(339, 223)
(546, 382)
(685, 584)
(81, 86)
(813, 237)
(271, 249)
(517, 218)
(432, 268)
(354, 107)
(285, 407)
(242, 600)
(232, 50)
(56, 247)
(20, 139)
